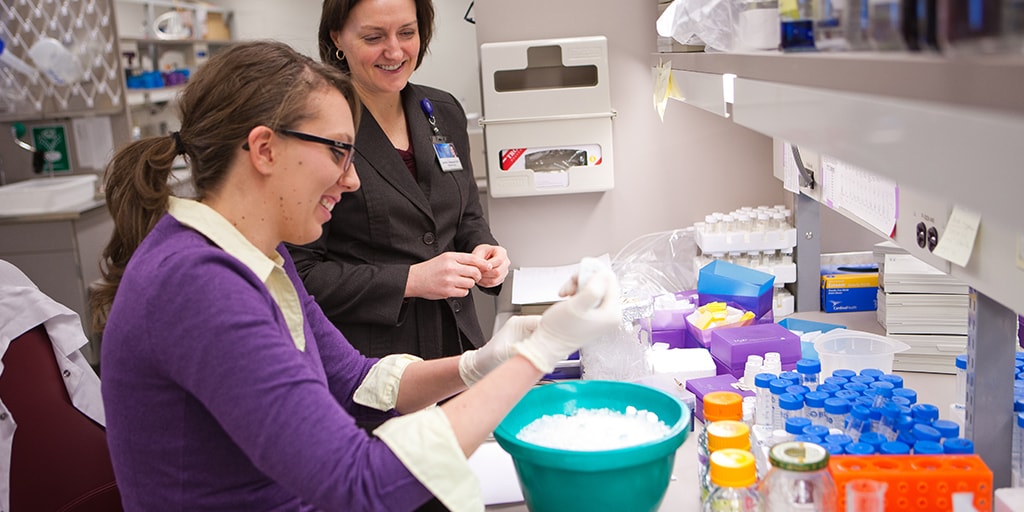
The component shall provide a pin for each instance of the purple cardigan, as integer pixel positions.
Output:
(211, 407)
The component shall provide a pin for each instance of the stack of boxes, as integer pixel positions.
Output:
(922, 307)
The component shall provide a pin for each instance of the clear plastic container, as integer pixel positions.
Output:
(735, 478)
(961, 380)
(799, 479)
(722, 435)
(856, 350)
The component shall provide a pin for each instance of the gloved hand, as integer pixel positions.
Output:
(592, 312)
(474, 364)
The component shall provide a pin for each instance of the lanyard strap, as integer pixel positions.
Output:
(428, 109)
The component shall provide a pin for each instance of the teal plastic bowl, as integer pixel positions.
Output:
(624, 480)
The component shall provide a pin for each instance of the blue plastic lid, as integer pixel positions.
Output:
(907, 393)
(798, 389)
(883, 388)
(876, 413)
(862, 379)
(1018, 405)
(947, 429)
(797, 425)
(836, 405)
(834, 449)
(906, 437)
(902, 400)
(860, 412)
(864, 449)
(961, 361)
(819, 431)
(840, 439)
(815, 399)
(838, 381)
(844, 373)
(871, 393)
(1, 45)
(763, 380)
(925, 413)
(1020, 420)
(892, 412)
(873, 438)
(894, 448)
(896, 380)
(791, 402)
(864, 400)
(791, 375)
(874, 373)
(958, 445)
(856, 386)
(927, 448)
(808, 366)
(905, 423)
(831, 389)
(808, 439)
(924, 432)
(846, 394)
(778, 386)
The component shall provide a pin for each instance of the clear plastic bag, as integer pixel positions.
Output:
(658, 263)
(714, 22)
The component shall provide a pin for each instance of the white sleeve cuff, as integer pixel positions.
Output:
(426, 445)
(379, 389)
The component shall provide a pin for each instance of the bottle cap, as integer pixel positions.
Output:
(816, 431)
(874, 373)
(732, 467)
(809, 366)
(958, 445)
(925, 413)
(894, 448)
(728, 434)
(896, 380)
(816, 399)
(798, 456)
(961, 361)
(791, 402)
(927, 448)
(947, 429)
(859, 449)
(924, 432)
(763, 380)
(844, 373)
(836, 405)
(722, 405)
(840, 439)
(907, 393)
(796, 425)
(831, 389)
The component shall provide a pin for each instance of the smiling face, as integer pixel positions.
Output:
(381, 42)
(314, 176)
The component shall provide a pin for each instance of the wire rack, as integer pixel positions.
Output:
(87, 29)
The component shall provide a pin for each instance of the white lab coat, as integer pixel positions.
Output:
(22, 307)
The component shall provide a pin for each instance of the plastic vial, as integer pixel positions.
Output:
(875, 439)
(836, 410)
(748, 406)
(859, 421)
(814, 407)
(844, 373)
(763, 395)
(810, 371)
(957, 446)
(924, 413)
(829, 389)
(777, 387)
(961, 380)
(744, 222)
(734, 475)
(796, 425)
(895, 380)
(786, 256)
(883, 392)
(799, 479)
(791, 406)
(763, 223)
(887, 427)
(894, 448)
(717, 406)
(907, 393)
(752, 368)
(729, 223)
(848, 395)
(867, 380)
(947, 429)
(724, 434)
(838, 381)
(1017, 470)
(798, 389)
(924, 432)
(790, 375)
(710, 224)
(773, 363)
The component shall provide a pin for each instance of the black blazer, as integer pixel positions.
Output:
(358, 269)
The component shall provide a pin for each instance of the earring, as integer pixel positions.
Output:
(338, 54)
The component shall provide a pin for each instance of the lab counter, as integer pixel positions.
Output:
(683, 491)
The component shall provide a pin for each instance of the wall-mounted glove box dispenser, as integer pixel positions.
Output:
(547, 116)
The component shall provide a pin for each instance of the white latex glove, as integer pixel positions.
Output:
(474, 364)
(592, 312)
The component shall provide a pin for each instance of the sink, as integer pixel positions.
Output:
(47, 195)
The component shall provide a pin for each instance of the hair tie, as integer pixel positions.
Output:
(179, 146)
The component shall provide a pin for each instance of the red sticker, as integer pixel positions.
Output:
(509, 157)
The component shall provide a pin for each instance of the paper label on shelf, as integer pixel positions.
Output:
(94, 141)
(957, 243)
(871, 197)
(790, 172)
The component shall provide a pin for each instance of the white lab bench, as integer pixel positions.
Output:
(683, 492)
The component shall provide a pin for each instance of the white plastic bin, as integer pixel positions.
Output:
(856, 350)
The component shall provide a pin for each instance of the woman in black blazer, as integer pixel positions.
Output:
(395, 265)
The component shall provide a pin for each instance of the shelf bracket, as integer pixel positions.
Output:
(806, 176)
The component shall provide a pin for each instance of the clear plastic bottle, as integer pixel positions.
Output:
(717, 406)
(858, 421)
(763, 393)
(814, 407)
(752, 368)
(722, 435)
(836, 410)
(961, 380)
(810, 372)
(799, 479)
(735, 478)
(791, 405)
(777, 387)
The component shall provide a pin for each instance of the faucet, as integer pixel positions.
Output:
(38, 156)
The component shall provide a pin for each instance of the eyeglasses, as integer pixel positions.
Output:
(342, 151)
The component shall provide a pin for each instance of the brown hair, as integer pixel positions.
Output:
(335, 13)
(258, 83)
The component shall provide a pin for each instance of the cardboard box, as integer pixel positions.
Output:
(843, 290)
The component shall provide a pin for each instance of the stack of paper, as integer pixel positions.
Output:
(923, 307)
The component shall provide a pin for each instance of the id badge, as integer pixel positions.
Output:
(446, 154)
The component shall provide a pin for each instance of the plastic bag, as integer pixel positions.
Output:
(712, 21)
(658, 263)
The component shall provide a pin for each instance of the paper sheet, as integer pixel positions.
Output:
(497, 474)
(871, 197)
(790, 172)
(94, 141)
(540, 285)
(957, 242)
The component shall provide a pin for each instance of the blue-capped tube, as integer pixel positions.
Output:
(906, 393)
(777, 387)
(924, 413)
(814, 407)
(763, 399)
(791, 406)
(844, 373)
(858, 421)
(836, 410)
(887, 425)
(947, 429)
(927, 448)
(924, 432)
(861, 449)
(957, 445)
(894, 448)
(810, 372)
(895, 380)
(825, 387)
(883, 392)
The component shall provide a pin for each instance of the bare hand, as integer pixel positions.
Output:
(451, 274)
(498, 264)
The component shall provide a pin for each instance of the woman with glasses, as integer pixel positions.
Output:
(225, 387)
(394, 271)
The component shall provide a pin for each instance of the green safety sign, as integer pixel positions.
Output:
(53, 142)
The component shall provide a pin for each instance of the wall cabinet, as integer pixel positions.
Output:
(947, 131)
